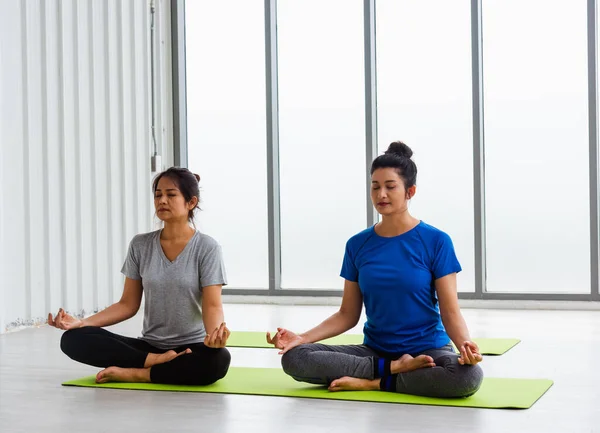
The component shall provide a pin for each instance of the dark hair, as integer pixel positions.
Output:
(398, 156)
(186, 181)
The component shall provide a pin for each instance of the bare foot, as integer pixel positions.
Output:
(354, 384)
(160, 358)
(117, 374)
(407, 363)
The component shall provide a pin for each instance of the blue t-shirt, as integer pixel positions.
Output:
(397, 277)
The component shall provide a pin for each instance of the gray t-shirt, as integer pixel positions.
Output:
(173, 290)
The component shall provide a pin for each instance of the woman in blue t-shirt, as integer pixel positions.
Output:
(404, 272)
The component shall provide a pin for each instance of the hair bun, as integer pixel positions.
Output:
(197, 176)
(400, 149)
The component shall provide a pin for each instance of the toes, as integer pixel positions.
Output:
(100, 377)
(425, 360)
(169, 355)
(336, 385)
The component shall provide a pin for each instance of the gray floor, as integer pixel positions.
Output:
(559, 345)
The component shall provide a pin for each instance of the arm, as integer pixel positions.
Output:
(212, 308)
(214, 320)
(451, 316)
(453, 319)
(346, 318)
(127, 307)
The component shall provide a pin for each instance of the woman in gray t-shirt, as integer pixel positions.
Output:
(180, 272)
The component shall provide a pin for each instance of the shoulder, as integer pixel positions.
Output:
(207, 242)
(144, 239)
(433, 235)
(206, 246)
(360, 238)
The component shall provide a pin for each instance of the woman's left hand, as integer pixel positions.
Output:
(469, 353)
(218, 338)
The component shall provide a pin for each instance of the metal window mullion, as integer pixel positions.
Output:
(592, 44)
(512, 296)
(282, 293)
(272, 123)
(180, 146)
(478, 147)
(370, 101)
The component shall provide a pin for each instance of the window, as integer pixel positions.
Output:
(225, 53)
(322, 137)
(424, 99)
(536, 146)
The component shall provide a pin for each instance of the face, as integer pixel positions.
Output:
(388, 194)
(169, 203)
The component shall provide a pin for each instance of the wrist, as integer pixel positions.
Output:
(460, 339)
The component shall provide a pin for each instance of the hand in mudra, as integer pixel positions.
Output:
(218, 338)
(284, 340)
(469, 354)
(64, 321)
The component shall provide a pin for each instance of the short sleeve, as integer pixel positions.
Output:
(212, 268)
(131, 267)
(445, 261)
(349, 271)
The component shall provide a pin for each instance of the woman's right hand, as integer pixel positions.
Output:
(64, 321)
(284, 340)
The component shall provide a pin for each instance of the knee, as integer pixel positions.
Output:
(222, 364)
(70, 340)
(470, 378)
(219, 366)
(292, 360)
(463, 380)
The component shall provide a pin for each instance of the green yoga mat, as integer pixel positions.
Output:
(488, 346)
(494, 393)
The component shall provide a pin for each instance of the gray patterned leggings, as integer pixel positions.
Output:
(321, 364)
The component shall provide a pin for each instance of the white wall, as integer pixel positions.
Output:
(75, 149)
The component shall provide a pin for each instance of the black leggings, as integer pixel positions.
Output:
(101, 348)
